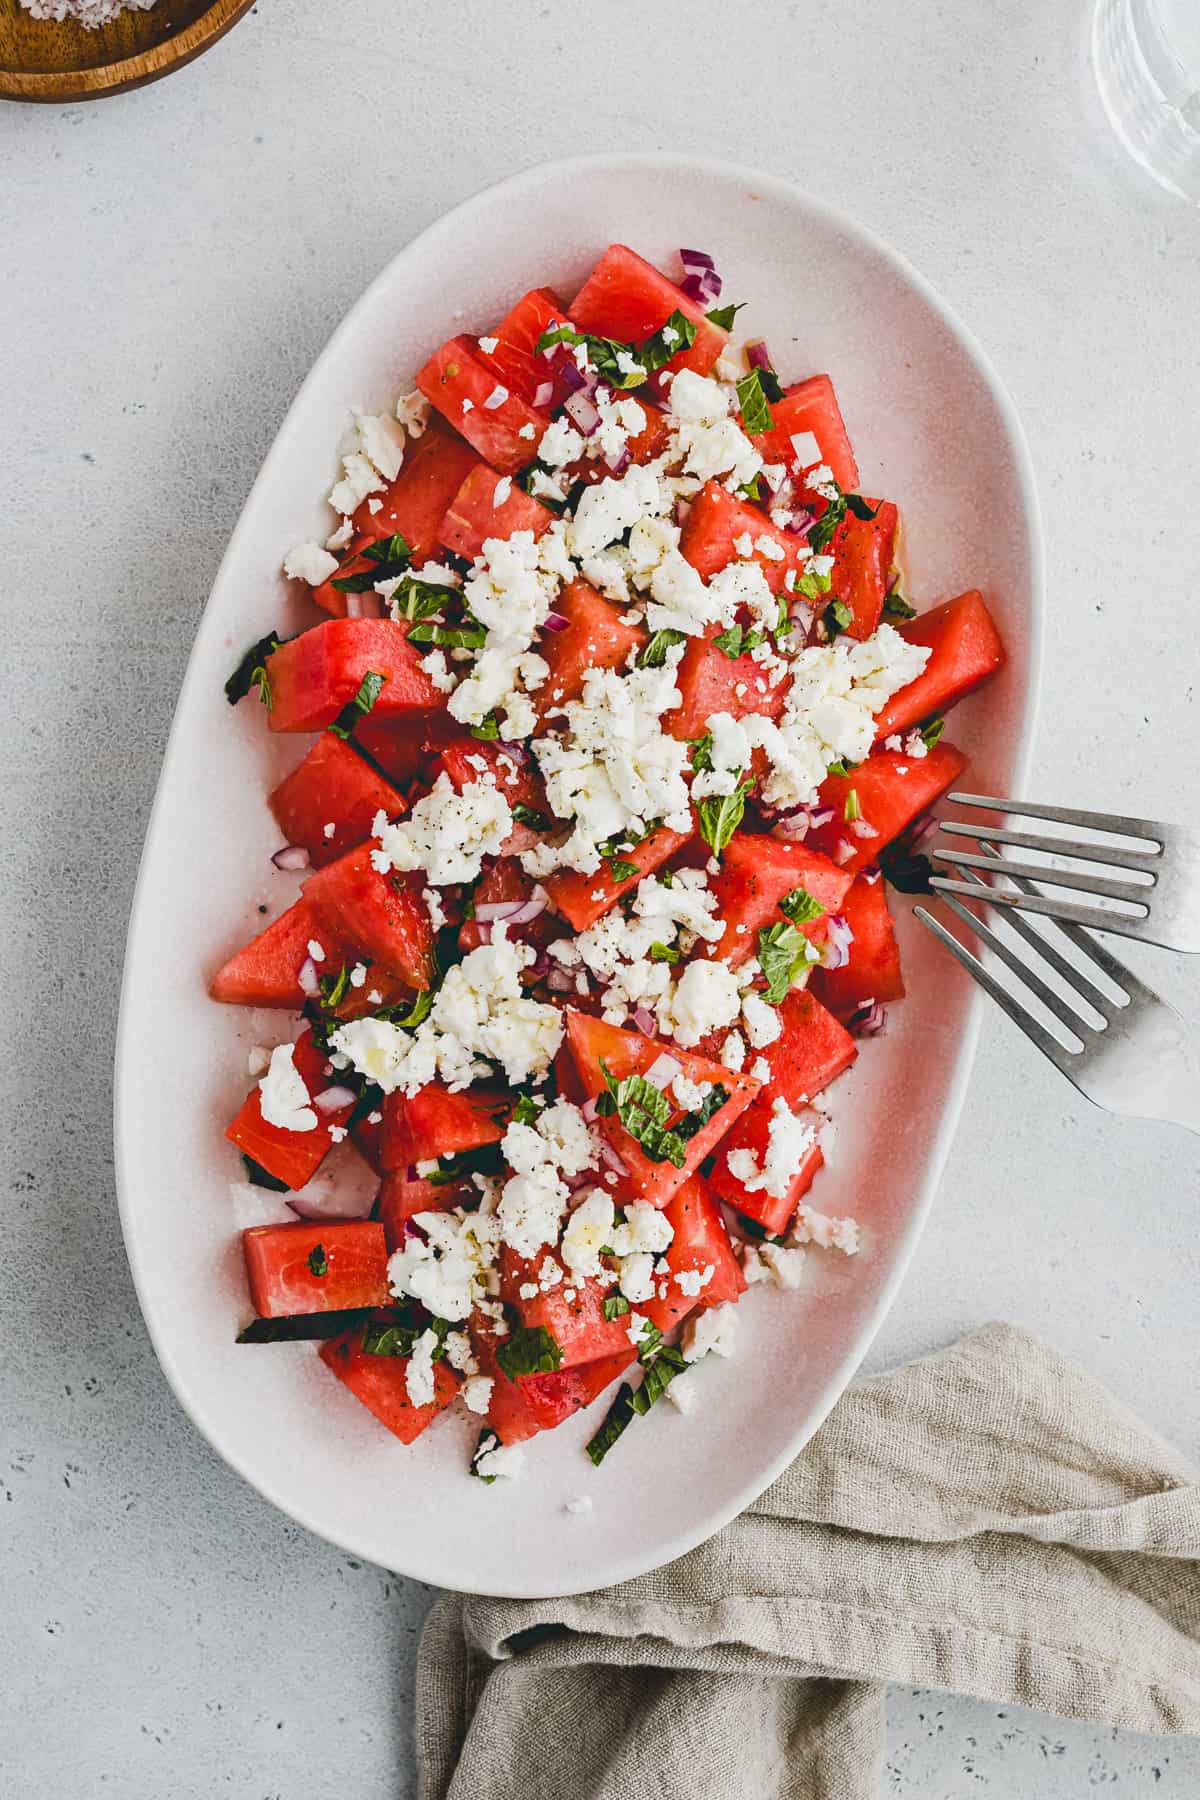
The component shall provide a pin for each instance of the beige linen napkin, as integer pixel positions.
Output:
(987, 1520)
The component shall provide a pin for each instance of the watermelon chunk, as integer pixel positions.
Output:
(515, 360)
(752, 1132)
(701, 1242)
(402, 742)
(314, 675)
(718, 518)
(755, 875)
(629, 1053)
(381, 1383)
(265, 972)
(597, 636)
(572, 1312)
(863, 550)
(582, 899)
(965, 650)
(626, 298)
(332, 786)
(642, 447)
(518, 1410)
(291, 1156)
(892, 790)
(383, 916)
(456, 376)
(475, 514)
(810, 406)
(308, 1268)
(873, 971)
(434, 1122)
(709, 682)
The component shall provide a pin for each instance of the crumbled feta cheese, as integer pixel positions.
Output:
(644, 1228)
(412, 410)
(481, 1014)
(810, 1227)
(447, 1268)
(535, 1196)
(588, 1230)
(681, 1392)
(496, 398)
(761, 1021)
(316, 950)
(488, 344)
(308, 562)
(733, 1051)
(760, 1069)
(459, 1353)
(283, 1097)
(358, 975)
(785, 1263)
(806, 448)
(258, 1061)
(447, 834)
(418, 1373)
(705, 998)
(691, 1281)
(711, 1330)
(579, 1506)
(636, 1276)
(789, 1140)
(528, 431)
(704, 435)
(503, 1459)
(477, 1393)
(689, 1094)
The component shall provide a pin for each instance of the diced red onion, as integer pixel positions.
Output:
(920, 831)
(682, 509)
(539, 968)
(309, 980)
(337, 1204)
(555, 622)
(614, 1160)
(663, 1070)
(331, 1099)
(793, 826)
(573, 1183)
(757, 354)
(589, 1109)
(645, 1021)
(532, 908)
(821, 816)
(867, 1020)
(364, 606)
(802, 520)
(543, 394)
(703, 288)
(411, 1173)
(871, 875)
(292, 856)
(617, 465)
(512, 747)
(836, 953)
(560, 981)
(582, 409)
(861, 828)
(696, 261)
(802, 615)
(572, 376)
(492, 912)
(844, 852)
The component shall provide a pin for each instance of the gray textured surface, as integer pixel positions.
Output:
(173, 260)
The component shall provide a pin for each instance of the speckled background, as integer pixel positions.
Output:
(172, 261)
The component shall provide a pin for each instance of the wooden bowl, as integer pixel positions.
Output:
(41, 59)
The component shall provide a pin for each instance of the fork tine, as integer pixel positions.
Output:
(1029, 840)
(1120, 823)
(1132, 891)
(1097, 917)
(1042, 945)
(1049, 1045)
(1084, 942)
(1057, 1004)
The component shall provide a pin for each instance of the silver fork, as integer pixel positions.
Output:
(1140, 1060)
(1167, 860)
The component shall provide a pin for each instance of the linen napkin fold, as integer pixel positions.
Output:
(986, 1520)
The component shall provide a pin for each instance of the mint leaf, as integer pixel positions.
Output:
(654, 654)
(526, 1111)
(643, 1111)
(615, 1306)
(752, 392)
(529, 1351)
(486, 1441)
(782, 953)
(317, 1260)
(621, 870)
(721, 814)
(333, 987)
(725, 315)
(932, 732)
(801, 907)
(251, 672)
(649, 1343)
(702, 752)
(416, 599)
(488, 729)
(673, 335)
(369, 690)
(898, 607)
(387, 558)
(632, 1403)
(738, 641)
(525, 815)
(257, 1176)
(837, 618)
(811, 587)
(297, 1327)
(470, 635)
(665, 953)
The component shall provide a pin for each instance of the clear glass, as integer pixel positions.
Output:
(1147, 61)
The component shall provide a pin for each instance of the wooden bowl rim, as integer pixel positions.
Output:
(131, 71)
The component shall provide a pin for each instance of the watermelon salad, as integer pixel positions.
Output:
(616, 729)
